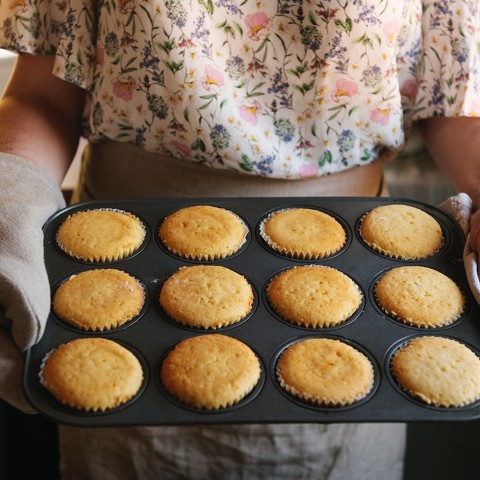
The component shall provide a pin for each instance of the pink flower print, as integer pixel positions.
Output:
(409, 89)
(344, 90)
(390, 30)
(381, 114)
(186, 43)
(328, 14)
(183, 148)
(249, 112)
(123, 87)
(213, 79)
(257, 24)
(309, 170)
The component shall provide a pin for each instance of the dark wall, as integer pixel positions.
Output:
(27, 442)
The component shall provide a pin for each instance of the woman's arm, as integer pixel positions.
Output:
(454, 144)
(40, 115)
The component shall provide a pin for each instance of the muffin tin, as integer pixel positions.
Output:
(152, 334)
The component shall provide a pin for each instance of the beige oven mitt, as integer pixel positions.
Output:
(459, 207)
(28, 197)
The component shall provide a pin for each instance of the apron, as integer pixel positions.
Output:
(112, 170)
(359, 451)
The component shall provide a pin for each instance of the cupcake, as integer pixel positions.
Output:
(303, 233)
(206, 296)
(203, 232)
(102, 235)
(401, 231)
(314, 296)
(98, 300)
(92, 374)
(419, 296)
(210, 371)
(325, 372)
(438, 371)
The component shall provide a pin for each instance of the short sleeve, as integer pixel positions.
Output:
(65, 29)
(448, 76)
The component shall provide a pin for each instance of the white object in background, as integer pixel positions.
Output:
(7, 59)
(70, 179)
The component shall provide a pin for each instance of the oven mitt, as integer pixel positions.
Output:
(459, 207)
(28, 197)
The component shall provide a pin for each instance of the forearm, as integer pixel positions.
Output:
(49, 144)
(40, 116)
(454, 144)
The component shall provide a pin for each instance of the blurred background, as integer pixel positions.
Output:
(437, 451)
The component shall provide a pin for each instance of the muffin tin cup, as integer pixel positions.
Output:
(49, 398)
(408, 395)
(319, 407)
(153, 334)
(74, 328)
(249, 397)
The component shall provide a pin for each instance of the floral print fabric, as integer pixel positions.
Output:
(280, 88)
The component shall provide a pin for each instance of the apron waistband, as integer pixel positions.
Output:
(122, 170)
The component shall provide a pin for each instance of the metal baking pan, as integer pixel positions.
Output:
(152, 334)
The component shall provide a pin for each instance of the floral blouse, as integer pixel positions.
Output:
(280, 88)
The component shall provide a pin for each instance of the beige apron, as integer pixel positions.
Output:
(112, 170)
(286, 451)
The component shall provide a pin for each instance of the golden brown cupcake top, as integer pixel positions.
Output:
(419, 296)
(98, 300)
(206, 296)
(210, 371)
(92, 374)
(325, 372)
(438, 371)
(314, 296)
(102, 235)
(303, 233)
(402, 231)
(203, 232)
